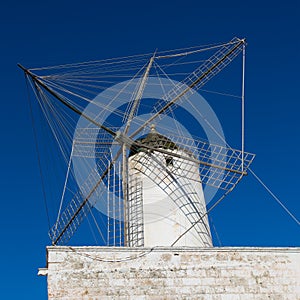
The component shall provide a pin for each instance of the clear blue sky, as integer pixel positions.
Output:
(39, 33)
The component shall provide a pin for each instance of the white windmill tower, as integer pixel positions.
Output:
(149, 182)
(157, 180)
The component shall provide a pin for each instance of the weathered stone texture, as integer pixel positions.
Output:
(93, 273)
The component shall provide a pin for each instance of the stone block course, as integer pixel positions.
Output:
(93, 273)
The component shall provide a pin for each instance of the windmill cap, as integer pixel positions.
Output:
(152, 139)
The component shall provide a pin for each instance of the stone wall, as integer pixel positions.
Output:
(92, 273)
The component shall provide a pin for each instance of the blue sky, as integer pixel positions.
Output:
(38, 33)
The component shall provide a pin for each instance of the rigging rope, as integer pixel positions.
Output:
(38, 153)
(215, 231)
(128, 258)
(274, 197)
(65, 185)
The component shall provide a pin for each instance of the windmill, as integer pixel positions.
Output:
(147, 177)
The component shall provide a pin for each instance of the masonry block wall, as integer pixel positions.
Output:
(93, 273)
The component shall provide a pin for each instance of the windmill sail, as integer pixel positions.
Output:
(219, 166)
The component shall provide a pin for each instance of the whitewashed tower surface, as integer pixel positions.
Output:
(165, 196)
